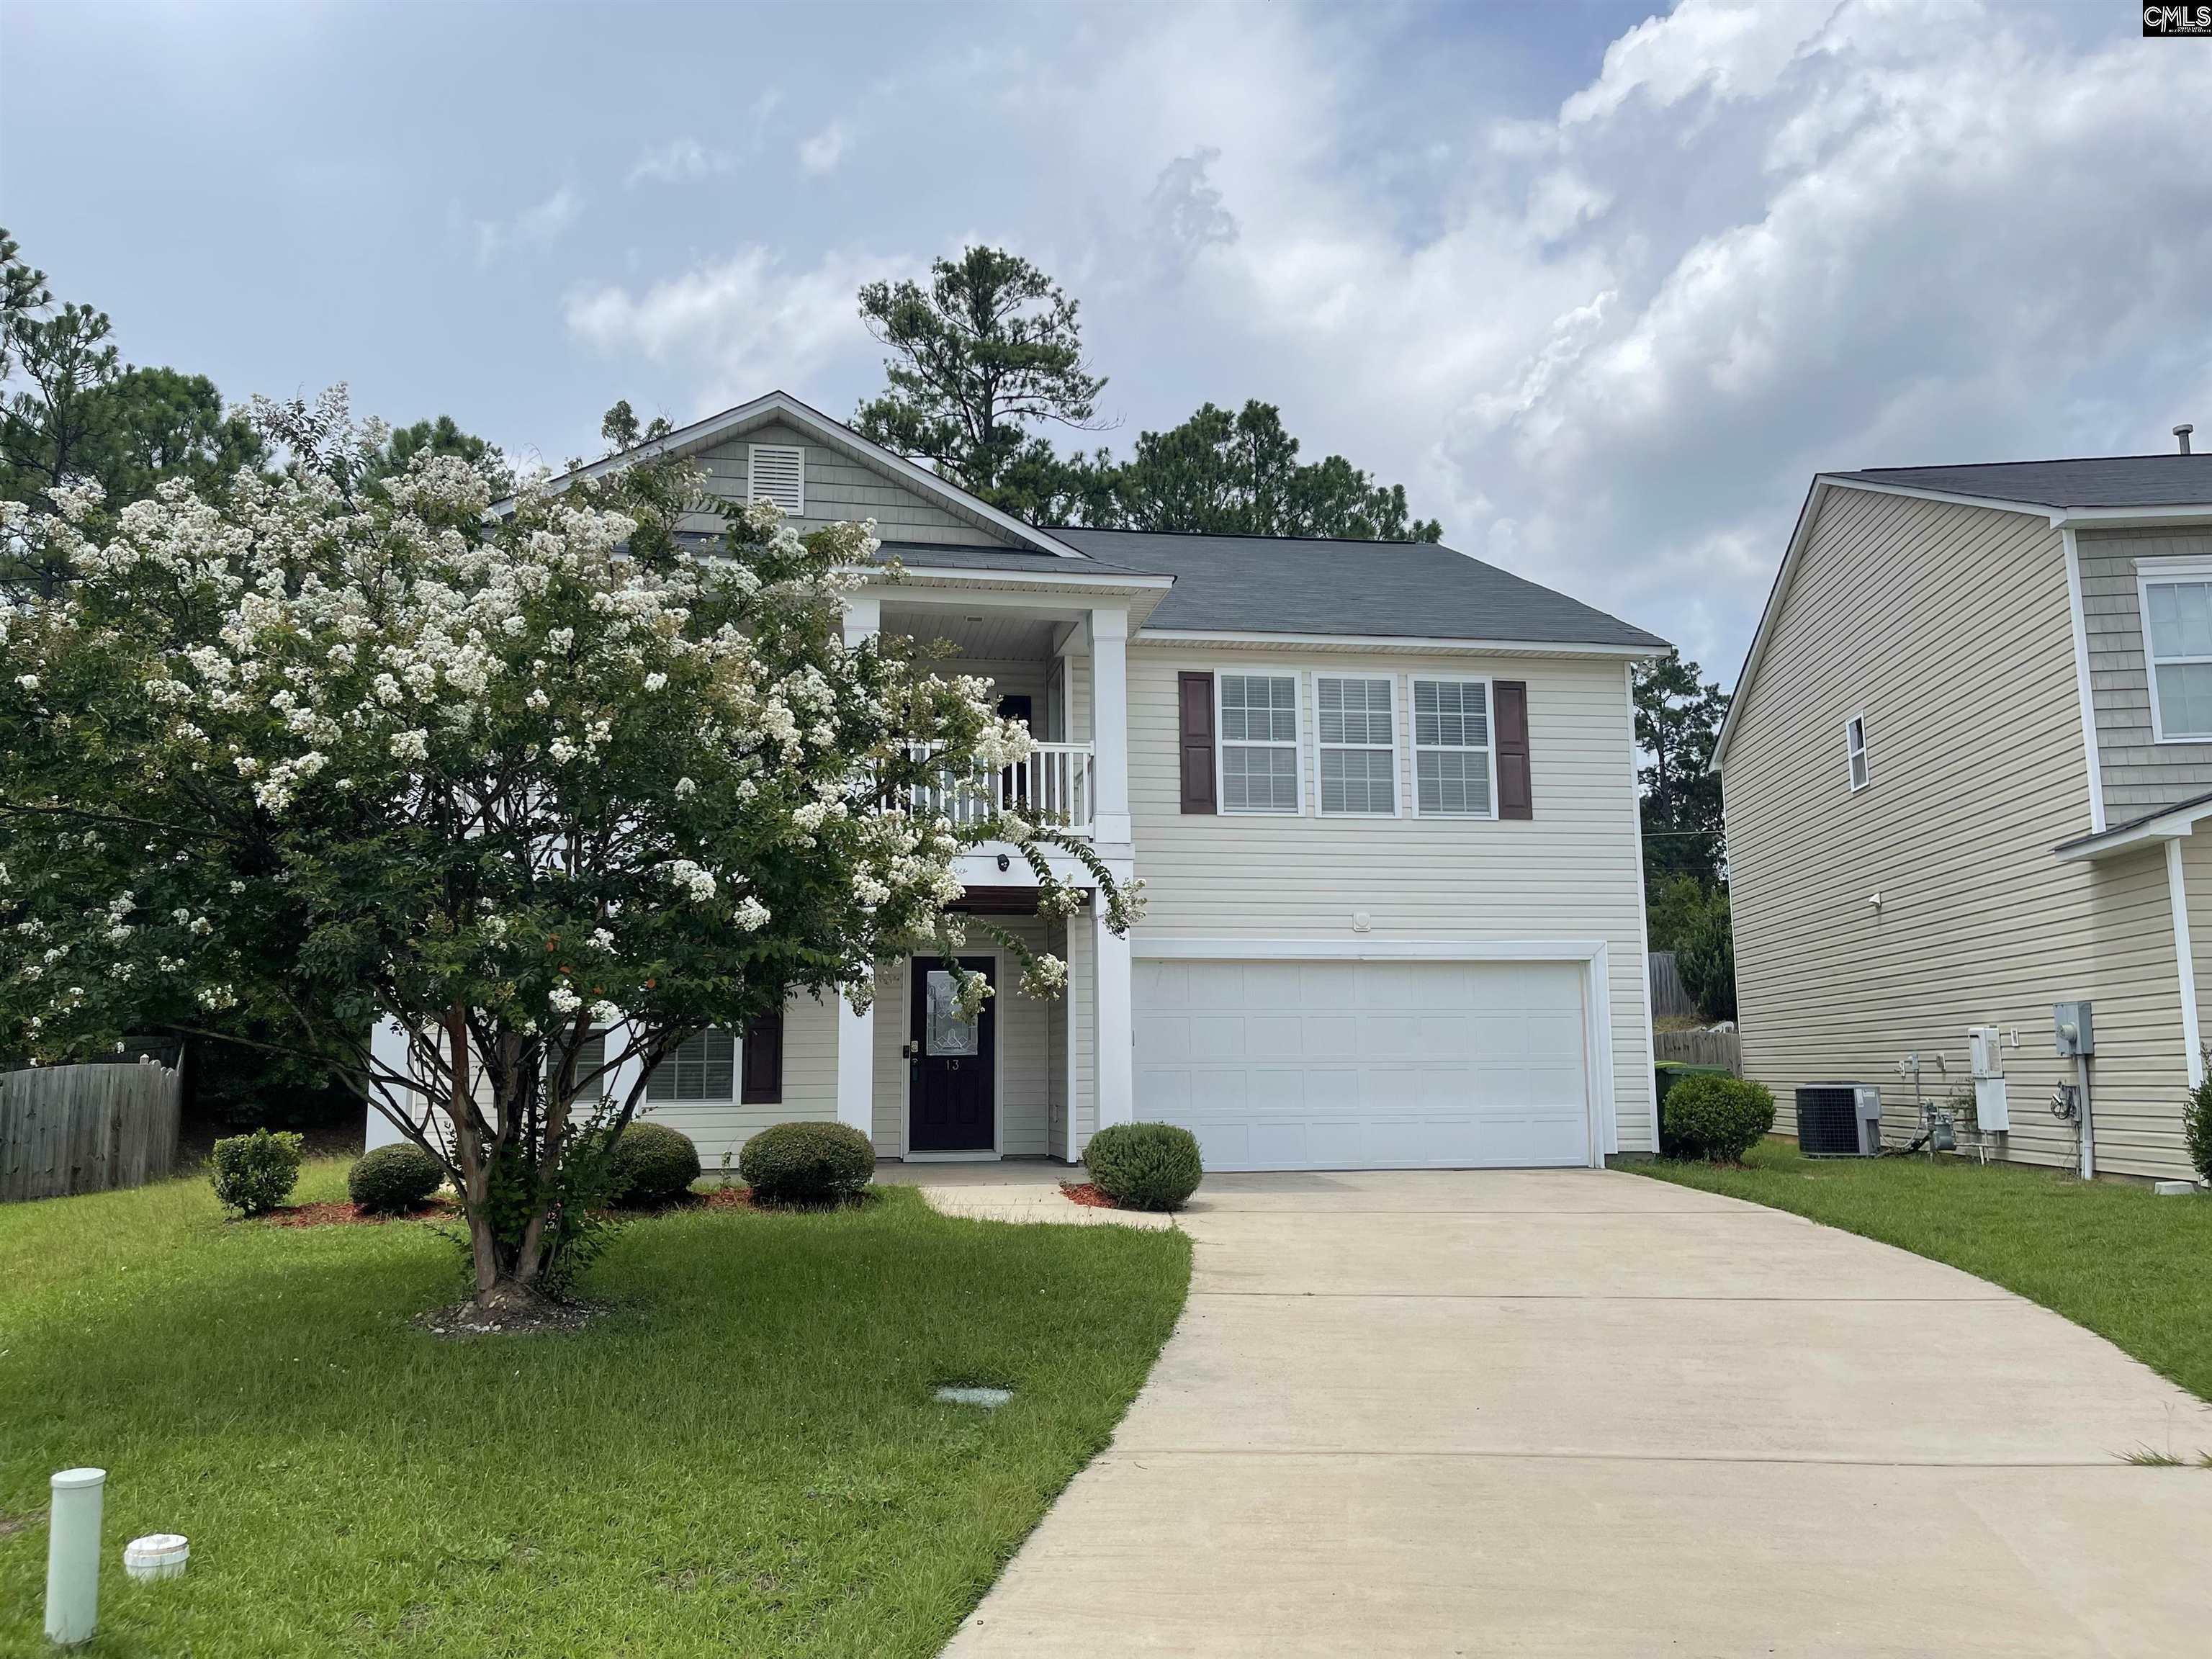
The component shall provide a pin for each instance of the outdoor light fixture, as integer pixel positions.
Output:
(1005, 863)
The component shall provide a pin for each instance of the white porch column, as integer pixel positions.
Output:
(1112, 1056)
(856, 1067)
(864, 617)
(2177, 892)
(1109, 725)
(387, 1047)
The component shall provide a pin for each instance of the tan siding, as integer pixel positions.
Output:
(1570, 873)
(841, 489)
(2140, 773)
(810, 1090)
(1949, 628)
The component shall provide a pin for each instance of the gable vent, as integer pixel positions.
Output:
(778, 474)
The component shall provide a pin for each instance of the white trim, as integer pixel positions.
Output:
(2083, 685)
(1856, 760)
(2184, 962)
(797, 455)
(783, 405)
(916, 966)
(2121, 518)
(2166, 572)
(1414, 744)
(1950, 497)
(2181, 821)
(1601, 1107)
(1643, 907)
(1397, 754)
(1423, 643)
(1006, 584)
(1296, 745)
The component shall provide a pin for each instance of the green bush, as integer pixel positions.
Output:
(1705, 959)
(651, 1163)
(1718, 1119)
(807, 1163)
(394, 1179)
(1145, 1166)
(253, 1174)
(2197, 1127)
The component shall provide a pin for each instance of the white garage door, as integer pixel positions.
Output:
(1365, 1065)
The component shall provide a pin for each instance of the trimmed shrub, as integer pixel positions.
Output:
(651, 1163)
(394, 1179)
(1718, 1119)
(807, 1163)
(253, 1174)
(1145, 1166)
(2197, 1127)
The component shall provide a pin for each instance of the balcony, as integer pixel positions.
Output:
(1054, 786)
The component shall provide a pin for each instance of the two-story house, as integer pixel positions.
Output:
(1968, 758)
(1383, 798)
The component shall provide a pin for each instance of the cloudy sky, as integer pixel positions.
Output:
(1602, 287)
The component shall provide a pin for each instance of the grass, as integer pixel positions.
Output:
(743, 1458)
(2134, 1268)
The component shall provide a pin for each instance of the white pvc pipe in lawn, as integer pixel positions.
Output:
(73, 1555)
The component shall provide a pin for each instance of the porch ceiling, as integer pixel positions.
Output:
(992, 636)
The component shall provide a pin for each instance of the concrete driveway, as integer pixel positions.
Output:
(1581, 1413)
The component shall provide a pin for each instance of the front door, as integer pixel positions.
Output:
(952, 1064)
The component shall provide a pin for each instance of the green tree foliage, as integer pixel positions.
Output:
(155, 423)
(1705, 958)
(1239, 475)
(1678, 718)
(23, 295)
(442, 436)
(988, 351)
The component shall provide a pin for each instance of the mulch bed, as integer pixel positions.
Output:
(333, 1213)
(1086, 1193)
(465, 1319)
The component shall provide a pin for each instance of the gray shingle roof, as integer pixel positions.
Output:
(2119, 481)
(1293, 585)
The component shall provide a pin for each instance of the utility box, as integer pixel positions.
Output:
(2070, 1028)
(1992, 1115)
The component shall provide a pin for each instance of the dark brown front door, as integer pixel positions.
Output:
(952, 1065)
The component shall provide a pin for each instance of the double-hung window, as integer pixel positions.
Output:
(1854, 751)
(702, 1068)
(2177, 631)
(1454, 758)
(1358, 749)
(1259, 743)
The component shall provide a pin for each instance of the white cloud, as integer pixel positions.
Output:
(749, 323)
(821, 152)
(534, 227)
(677, 160)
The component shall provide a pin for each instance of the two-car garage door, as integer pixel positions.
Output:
(1339, 1065)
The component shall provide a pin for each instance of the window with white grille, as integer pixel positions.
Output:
(704, 1068)
(1259, 743)
(1358, 745)
(2177, 629)
(778, 473)
(1454, 758)
(1855, 753)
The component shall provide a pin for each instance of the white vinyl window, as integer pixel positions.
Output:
(1854, 751)
(778, 472)
(1455, 761)
(704, 1068)
(2178, 635)
(1259, 743)
(1358, 745)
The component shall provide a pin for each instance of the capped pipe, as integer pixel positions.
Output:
(2181, 435)
(73, 1555)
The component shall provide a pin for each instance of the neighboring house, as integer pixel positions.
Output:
(1383, 798)
(1963, 770)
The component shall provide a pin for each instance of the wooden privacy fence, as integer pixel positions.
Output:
(1700, 1047)
(1669, 999)
(68, 1129)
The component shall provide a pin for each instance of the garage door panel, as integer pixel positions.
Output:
(1287, 1064)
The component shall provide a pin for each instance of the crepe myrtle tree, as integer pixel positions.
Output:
(327, 750)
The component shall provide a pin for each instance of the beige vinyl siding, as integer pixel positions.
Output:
(2140, 774)
(1024, 1038)
(810, 1089)
(1570, 873)
(1949, 628)
(841, 489)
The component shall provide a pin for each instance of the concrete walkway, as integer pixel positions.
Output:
(1583, 1413)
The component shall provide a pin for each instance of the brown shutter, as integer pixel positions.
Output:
(1513, 791)
(763, 1079)
(1197, 725)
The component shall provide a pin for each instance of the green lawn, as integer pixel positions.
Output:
(742, 1459)
(2134, 1268)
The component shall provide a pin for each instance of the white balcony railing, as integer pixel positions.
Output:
(1052, 786)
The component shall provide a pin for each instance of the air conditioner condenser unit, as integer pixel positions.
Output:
(1839, 1120)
